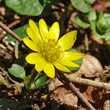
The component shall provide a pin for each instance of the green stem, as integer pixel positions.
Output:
(33, 76)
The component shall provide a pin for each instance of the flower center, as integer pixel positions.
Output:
(51, 50)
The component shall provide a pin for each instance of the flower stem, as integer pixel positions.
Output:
(69, 84)
(33, 75)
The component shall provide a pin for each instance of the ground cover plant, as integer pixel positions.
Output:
(54, 55)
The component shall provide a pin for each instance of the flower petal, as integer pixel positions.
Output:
(30, 44)
(54, 31)
(74, 55)
(32, 35)
(41, 63)
(43, 28)
(37, 59)
(67, 62)
(49, 70)
(35, 29)
(31, 58)
(68, 40)
(61, 67)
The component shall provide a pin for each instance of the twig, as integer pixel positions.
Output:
(89, 82)
(10, 32)
(69, 84)
(16, 49)
(11, 25)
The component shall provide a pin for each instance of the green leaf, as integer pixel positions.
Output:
(27, 7)
(105, 36)
(107, 18)
(17, 71)
(6, 103)
(47, 8)
(20, 61)
(81, 23)
(21, 32)
(92, 15)
(79, 62)
(40, 82)
(81, 5)
(90, 1)
(31, 7)
(102, 23)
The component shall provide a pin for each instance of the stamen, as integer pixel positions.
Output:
(51, 50)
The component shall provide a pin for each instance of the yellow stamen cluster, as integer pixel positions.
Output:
(50, 50)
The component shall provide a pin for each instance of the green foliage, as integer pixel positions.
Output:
(31, 7)
(21, 32)
(39, 82)
(82, 5)
(105, 36)
(81, 23)
(20, 61)
(92, 15)
(6, 103)
(90, 1)
(103, 22)
(99, 22)
(17, 71)
(101, 26)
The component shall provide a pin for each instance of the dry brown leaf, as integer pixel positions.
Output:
(54, 83)
(64, 96)
(91, 67)
(106, 105)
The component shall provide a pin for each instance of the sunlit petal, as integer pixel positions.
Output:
(41, 63)
(67, 62)
(32, 35)
(30, 44)
(74, 55)
(35, 29)
(67, 40)
(61, 67)
(37, 59)
(54, 31)
(49, 70)
(43, 28)
(31, 58)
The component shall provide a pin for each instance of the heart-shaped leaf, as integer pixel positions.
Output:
(17, 71)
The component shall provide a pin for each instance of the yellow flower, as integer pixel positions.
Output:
(49, 51)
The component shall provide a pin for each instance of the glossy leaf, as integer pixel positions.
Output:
(17, 71)
(40, 82)
(31, 7)
(27, 7)
(82, 5)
